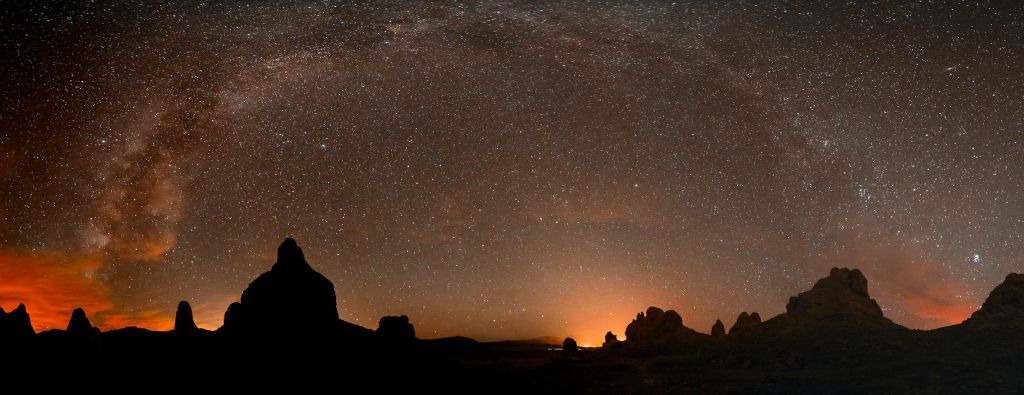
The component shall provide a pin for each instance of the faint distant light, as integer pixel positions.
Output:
(976, 258)
(323, 145)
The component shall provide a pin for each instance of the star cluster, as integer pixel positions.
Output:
(513, 169)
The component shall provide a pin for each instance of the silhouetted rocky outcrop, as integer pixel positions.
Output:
(718, 329)
(184, 324)
(843, 295)
(15, 324)
(290, 299)
(1005, 301)
(232, 318)
(745, 322)
(659, 331)
(79, 324)
(396, 329)
(569, 347)
(610, 340)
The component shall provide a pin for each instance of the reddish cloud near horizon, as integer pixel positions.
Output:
(51, 285)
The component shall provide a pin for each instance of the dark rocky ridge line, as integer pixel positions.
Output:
(832, 333)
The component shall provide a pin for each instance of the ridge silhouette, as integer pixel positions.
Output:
(834, 335)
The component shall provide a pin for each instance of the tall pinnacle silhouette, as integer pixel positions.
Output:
(290, 299)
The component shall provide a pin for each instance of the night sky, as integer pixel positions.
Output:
(509, 169)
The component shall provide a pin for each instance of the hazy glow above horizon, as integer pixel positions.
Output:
(508, 170)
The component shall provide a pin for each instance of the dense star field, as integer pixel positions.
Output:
(508, 169)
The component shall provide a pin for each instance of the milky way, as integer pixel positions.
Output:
(510, 169)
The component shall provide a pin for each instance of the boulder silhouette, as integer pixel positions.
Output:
(745, 322)
(184, 324)
(569, 347)
(15, 324)
(1006, 300)
(290, 299)
(718, 329)
(396, 329)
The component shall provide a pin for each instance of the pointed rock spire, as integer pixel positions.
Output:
(79, 324)
(290, 256)
(718, 329)
(184, 324)
(291, 298)
(610, 339)
(16, 323)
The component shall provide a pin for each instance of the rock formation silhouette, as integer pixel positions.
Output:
(718, 329)
(79, 324)
(569, 347)
(842, 296)
(610, 340)
(15, 324)
(745, 322)
(184, 324)
(831, 336)
(396, 329)
(290, 299)
(1005, 301)
(658, 331)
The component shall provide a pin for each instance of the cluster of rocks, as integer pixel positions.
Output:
(15, 324)
(745, 322)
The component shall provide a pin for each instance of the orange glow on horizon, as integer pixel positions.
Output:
(51, 285)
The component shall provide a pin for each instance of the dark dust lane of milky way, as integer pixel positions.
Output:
(508, 169)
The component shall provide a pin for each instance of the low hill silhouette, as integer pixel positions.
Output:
(832, 338)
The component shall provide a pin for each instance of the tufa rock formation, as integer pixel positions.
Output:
(15, 324)
(79, 324)
(1006, 300)
(745, 322)
(81, 329)
(718, 329)
(291, 298)
(396, 329)
(610, 340)
(653, 326)
(843, 295)
(658, 331)
(569, 347)
(184, 324)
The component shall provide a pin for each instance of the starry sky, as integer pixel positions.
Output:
(509, 169)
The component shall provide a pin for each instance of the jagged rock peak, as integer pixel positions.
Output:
(718, 329)
(16, 323)
(610, 339)
(183, 320)
(79, 324)
(290, 256)
(1006, 299)
(745, 322)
